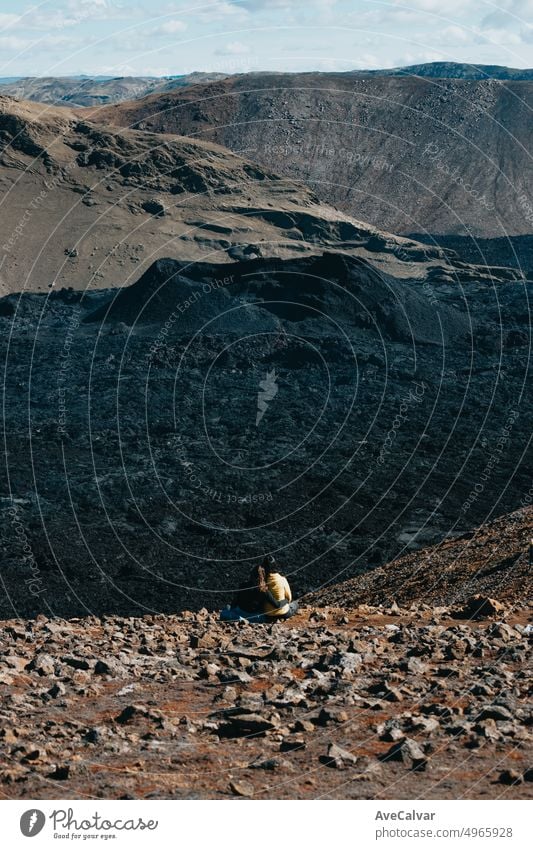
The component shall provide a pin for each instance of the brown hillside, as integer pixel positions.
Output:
(492, 560)
(91, 205)
(408, 154)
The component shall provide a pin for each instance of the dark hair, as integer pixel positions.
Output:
(262, 579)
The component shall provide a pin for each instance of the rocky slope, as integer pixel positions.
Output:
(413, 705)
(493, 560)
(408, 154)
(160, 438)
(87, 205)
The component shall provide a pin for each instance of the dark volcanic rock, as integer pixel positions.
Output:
(162, 437)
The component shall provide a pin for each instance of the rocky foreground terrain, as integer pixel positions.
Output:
(415, 703)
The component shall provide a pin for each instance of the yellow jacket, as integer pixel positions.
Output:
(279, 588)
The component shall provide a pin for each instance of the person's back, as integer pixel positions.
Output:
(279, 589)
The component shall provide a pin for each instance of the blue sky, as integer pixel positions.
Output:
(119, 37)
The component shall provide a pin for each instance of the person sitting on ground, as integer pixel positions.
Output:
(265, 597)
(278, 603)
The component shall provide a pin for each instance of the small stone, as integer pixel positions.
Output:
(504, 632)
(349, 662)
(480, 607)
(244, 724)
(458, 728)
(76, 663)
(338, 757)
(43, 664)
(409, 752)
(293, 744)
(9, 736)
(31, 756)
(153, 207)
(61, 773)
(393, 694)
(390, 731)
(415, 666)
(456, 650)
(304, 725)
(510, 776)
(497, 712)
(448, 672)
(129, 713)
(242, 788)
(488, 730)
(93, 735)
(58, 689)
(319, 616)
(17, 663)
(228, 694)
(332, 714)
(270, 764)
(481, 690)
(424, 724)
(232, 676)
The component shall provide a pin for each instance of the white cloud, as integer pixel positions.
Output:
(496, 36)
(223, 9)
(71, 13)
(90, 8)
(7, 21)
(510, 14)
(456, 33)
(13, 42)
(416, 59)
(383, 17)
(234, 48)
(266, 4)
(258, 5)
(437, 6)
(170, 28)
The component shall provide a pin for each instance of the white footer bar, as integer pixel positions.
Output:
(263, 825)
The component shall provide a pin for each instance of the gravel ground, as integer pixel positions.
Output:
(373, 703)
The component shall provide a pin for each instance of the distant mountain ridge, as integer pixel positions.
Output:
(88, 90)
(81, 91)
(454, 70)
